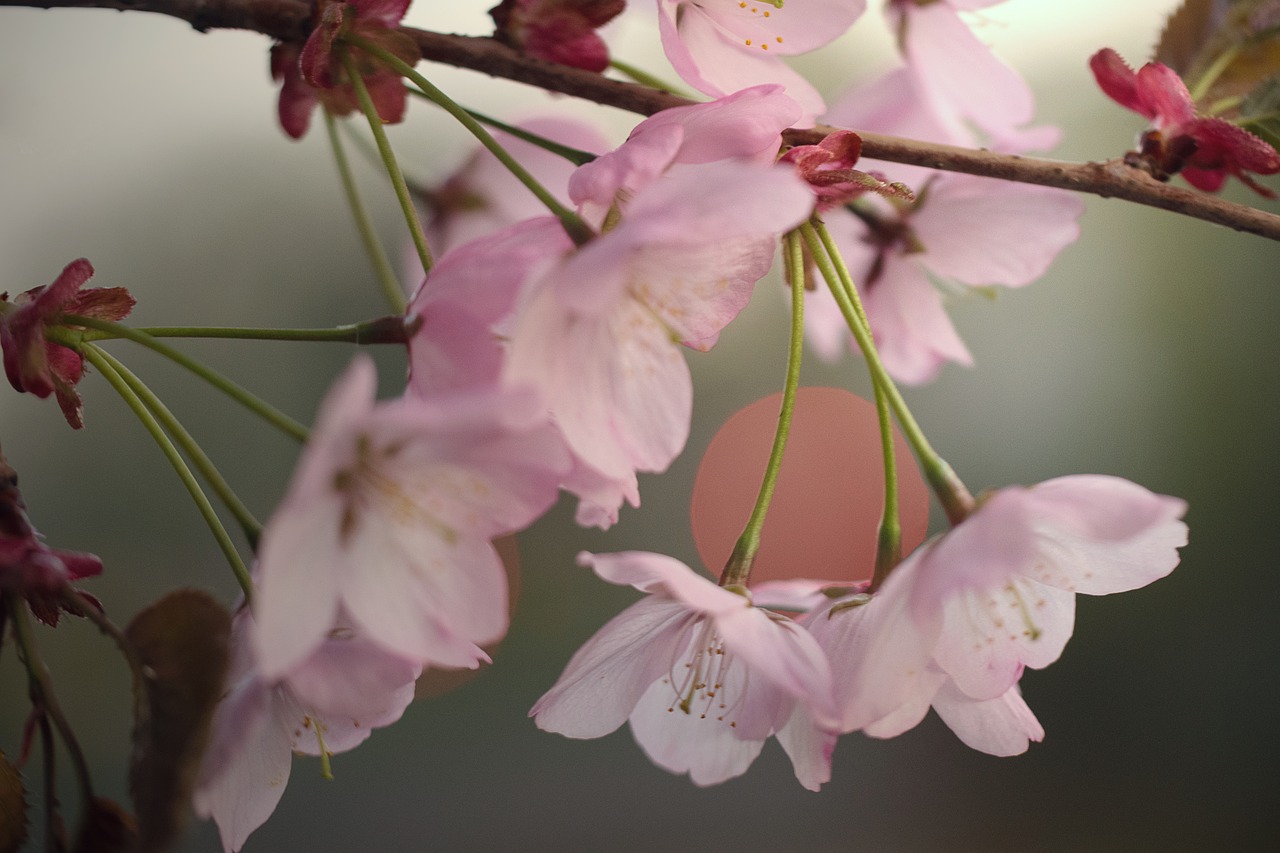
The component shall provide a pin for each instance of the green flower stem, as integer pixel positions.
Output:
(576, 156)
(644, 78)
(952, 494)
(388, 158)
(42, 693)
(393, 329)
(251, 402)
(1214, 71)
(102, 362)
(52, 821)
(889, 539)
(377, 256)
(577, 230)
(251, 526)
(738, 569)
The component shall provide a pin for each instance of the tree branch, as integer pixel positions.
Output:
(290, 20)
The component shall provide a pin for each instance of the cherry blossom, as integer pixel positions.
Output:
(722, 46)
(328, 704)
(1203, 150)
(598, 336)
(389, 517)
(959, 229)
(746, 126)
(704, 677)
(960, 80)
(562, 31)
(467, 304)
(312, 74)
(39, 366)
(955, 624)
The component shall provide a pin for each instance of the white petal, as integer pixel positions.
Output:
(607, 676)
(705, 748)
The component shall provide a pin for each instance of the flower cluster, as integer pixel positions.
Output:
(704, 677)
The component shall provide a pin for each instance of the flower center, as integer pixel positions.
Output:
(367, 486)
(700, 680)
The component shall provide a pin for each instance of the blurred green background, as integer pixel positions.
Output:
(1148, 351)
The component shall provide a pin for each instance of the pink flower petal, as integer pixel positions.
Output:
(1000, 726)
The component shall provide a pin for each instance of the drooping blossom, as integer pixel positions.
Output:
(598, 337)
(722, 46)
(959, 229)
(561, 31)
(702, 675)
(954, 625)
(40, 366)
(960, 80)
(29, 568)
(313, 74)
(1203, 150)
(389, 518)
(330, 703)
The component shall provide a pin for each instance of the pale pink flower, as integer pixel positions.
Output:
(598, 337)
(959, 77)
(722, 46)
(961, 230)
(745, 126)
(955, 624)
(704, 677)
(389, 517)
(467, 304)
(330, 703)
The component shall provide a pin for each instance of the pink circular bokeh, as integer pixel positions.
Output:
(826, 509)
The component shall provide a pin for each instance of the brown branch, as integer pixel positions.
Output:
(289, 20)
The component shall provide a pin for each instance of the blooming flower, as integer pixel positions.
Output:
(598, 336)
(1204, 150)
(389, 517)
(722, 46)
(562, 31)
(313, 73)
(42, 367)
(955, 624)
(468, 303)
(703, 676)
(329, 704)
(959, 228)
(960, 79)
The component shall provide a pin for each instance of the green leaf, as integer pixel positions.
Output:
(1188, 33)
(182, 643)
(1260, 112)
(13, 808)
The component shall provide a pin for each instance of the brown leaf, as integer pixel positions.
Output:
(182, 643)
(13, 808)
(1202, 32)
(1188, 32)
